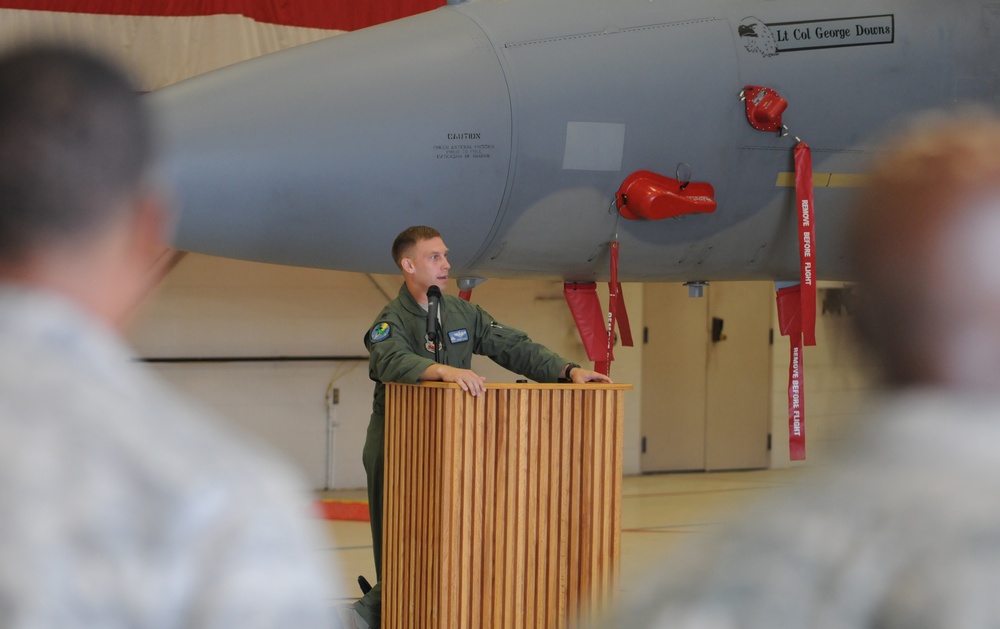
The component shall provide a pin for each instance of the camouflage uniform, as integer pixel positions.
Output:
(124, 505)
(900, 528)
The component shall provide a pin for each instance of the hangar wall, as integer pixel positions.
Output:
(160, 50)
(709, 405)
(226, 309)
(260, 314)
(839, 382)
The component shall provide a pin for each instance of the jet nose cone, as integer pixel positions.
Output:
(319, 155)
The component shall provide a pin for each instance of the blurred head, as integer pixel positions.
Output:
(925, 249)
(74, 147)
(76, 213)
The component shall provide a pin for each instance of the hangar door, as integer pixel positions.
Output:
(705, 402)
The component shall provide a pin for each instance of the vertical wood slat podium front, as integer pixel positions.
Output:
(502, 511)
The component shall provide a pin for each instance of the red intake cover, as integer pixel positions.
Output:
(647, 195)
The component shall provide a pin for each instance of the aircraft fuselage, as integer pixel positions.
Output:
(509, 126)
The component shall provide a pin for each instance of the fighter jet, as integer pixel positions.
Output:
(514, 127)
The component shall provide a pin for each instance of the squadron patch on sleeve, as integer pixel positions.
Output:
(380, 332)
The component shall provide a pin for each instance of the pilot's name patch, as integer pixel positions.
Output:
(458, 336)
(777, 37)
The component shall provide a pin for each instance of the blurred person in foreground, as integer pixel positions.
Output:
(903, 530)
(123, 505)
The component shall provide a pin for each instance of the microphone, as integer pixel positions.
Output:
(433, 305)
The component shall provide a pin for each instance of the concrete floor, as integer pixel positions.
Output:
(659, 514)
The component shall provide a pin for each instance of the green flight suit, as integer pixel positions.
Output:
(399, 352)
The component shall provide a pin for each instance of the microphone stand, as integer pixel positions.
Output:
(433, 325)
(437, 340)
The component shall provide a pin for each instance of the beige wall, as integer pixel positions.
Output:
(212, 307)
(838, 381)
(160, 50)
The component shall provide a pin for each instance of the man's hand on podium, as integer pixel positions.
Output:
(578, 375)
(469, 380)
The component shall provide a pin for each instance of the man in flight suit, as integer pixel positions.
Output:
(401, 352)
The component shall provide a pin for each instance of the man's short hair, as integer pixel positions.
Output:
(75, 143)
(408, 238)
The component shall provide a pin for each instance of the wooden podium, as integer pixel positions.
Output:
(501, 511)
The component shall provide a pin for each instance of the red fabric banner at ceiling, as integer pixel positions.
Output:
(340, 15)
